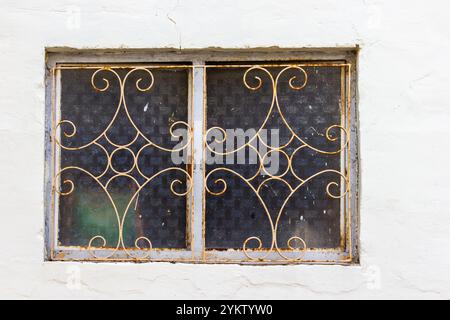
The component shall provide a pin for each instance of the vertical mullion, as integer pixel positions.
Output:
(344, 137)
(198, 175)
(57, 157)
(349, 154)
(189, 165)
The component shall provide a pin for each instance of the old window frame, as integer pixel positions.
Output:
(199, 59)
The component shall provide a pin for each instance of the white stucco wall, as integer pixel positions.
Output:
(404, 87)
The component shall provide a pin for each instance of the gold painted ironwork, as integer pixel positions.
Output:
(297, 82)
(68, 186)
(257, 254)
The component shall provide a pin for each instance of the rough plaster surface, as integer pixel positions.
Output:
(404, 83)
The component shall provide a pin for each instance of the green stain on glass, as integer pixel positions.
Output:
(95, 215)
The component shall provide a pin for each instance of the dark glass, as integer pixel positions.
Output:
(155, 212)
(311, 214)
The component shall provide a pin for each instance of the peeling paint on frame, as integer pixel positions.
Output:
(56, 56)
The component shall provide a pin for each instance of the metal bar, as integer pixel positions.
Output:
(198, 117)
(175, 66)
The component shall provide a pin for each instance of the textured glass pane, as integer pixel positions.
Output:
(236, 214)
(130, 199)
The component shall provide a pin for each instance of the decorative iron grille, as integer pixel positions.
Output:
(118, 195)
(111, 154)
(313, 126)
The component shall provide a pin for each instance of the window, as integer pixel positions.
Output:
(214, 157)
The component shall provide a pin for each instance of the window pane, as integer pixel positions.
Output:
(144, 180)
(294, 119)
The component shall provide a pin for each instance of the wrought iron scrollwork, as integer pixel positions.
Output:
(143, 244)
(295, 244)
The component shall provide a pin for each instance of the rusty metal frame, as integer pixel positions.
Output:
(344, 59)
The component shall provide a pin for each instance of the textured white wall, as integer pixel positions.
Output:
(404, 83)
